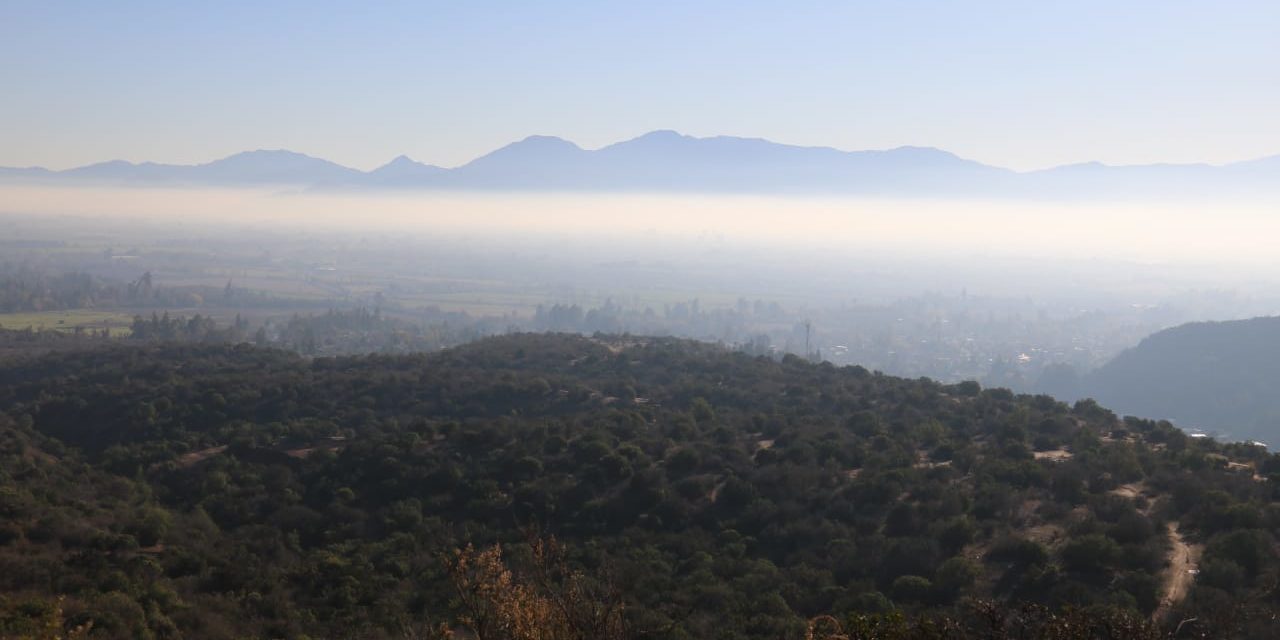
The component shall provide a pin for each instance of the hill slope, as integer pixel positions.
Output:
(234, 491)
(1218, 376)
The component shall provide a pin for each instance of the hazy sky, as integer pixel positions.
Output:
(1018, 84)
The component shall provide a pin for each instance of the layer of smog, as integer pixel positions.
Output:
(950, 289)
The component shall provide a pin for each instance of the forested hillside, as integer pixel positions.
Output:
(1216, 376)
(216, 491)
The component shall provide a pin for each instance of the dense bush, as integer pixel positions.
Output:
(228, 491)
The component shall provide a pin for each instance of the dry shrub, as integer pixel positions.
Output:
(548, 601)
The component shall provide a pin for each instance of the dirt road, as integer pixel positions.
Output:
(1184, 560)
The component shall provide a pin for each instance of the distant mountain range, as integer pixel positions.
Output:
(666, 161)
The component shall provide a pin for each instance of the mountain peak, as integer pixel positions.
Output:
(401, 162)
(268, 166)
(267, 155)
(914, 148)
(540, 141)
(403, 169)
(915, 151)
(269, 152)
(531, 150)
(532, 145)
(664, 134)
(110, 163)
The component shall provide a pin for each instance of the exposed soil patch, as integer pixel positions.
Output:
(714, 494)
(306, 451)
(188, 459)
(36, 455)
(1132, 490)
(1054, 455)
(926, 464)
(1045, 534)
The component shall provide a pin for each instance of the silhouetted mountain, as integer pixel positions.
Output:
(403, 171)
(666, 161)
(535, 162)
(24, 172)
(249, 167)
(122, 171)
(1093, 179)
(1217, 376)
(273, 167)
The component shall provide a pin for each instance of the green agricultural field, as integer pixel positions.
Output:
(117, 322)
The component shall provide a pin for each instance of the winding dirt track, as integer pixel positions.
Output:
(1178, 577)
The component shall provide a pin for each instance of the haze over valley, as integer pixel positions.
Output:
(953, 289)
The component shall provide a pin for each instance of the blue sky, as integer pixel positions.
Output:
(1017, 84)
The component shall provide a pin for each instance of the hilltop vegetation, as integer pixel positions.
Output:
(221, 491)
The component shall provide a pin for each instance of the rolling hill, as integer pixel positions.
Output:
(222, 491)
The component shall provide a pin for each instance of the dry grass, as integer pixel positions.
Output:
(67, 321)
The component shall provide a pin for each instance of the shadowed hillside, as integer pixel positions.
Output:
(1216, 376)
